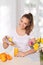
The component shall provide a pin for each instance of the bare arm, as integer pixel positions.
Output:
(6, 43)
(23, 54)
(30, 52)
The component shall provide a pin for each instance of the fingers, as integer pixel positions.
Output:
(20, 54)
(6, 37)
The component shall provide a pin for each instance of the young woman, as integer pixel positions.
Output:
(22, 35)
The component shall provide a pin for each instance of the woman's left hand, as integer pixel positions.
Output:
(21, 54)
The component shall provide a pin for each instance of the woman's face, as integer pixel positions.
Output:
(23, 22)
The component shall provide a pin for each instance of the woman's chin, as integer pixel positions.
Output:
(22, 28)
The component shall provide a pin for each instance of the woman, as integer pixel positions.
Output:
(22, 35)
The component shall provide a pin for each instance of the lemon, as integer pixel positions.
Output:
(10, 39)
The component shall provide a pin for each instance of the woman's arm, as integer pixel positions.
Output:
(30, 52)
(23, 54)
(6, 43)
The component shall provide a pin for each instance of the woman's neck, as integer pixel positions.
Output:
(20, 31)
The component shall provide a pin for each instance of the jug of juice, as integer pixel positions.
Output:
(16, 50)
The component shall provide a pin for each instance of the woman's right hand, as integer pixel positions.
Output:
(5, 45)
(5, 42)
(5, 38)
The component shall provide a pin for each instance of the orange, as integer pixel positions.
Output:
(3, 57)
(3, 54)
(9, 57)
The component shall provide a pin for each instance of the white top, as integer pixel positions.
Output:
(22, 41)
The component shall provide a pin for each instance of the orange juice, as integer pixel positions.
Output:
(16, 51)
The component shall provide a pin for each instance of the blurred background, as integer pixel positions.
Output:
(12, 10)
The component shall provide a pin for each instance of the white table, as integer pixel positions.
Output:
(17, 60)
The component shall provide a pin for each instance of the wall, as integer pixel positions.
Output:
(7, 19)
(7, 16)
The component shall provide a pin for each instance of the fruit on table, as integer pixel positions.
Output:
(10, 39)
(16, 51)
(9, 57)
(36, 46)
(4, 57)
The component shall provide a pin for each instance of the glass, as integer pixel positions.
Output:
(16, 50)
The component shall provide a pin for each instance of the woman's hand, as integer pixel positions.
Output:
(5, 45)
(21, 54)
(6, 42)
